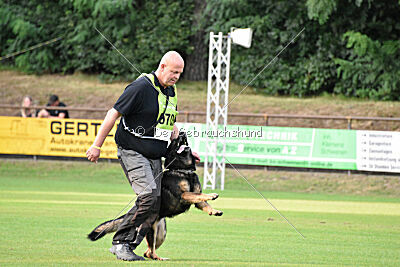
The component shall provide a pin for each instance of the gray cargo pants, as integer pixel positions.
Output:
(144, 175)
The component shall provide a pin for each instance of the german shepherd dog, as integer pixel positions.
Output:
(180, 188)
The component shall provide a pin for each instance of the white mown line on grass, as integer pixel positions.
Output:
(296, 205)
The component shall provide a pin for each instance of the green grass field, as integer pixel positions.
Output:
(47, 208)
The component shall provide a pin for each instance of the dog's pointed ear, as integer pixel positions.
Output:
(183, 137)
(182, 134)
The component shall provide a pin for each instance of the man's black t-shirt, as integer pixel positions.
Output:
(138, 104)
(55, 112)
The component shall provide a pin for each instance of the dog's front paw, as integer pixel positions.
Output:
(216, 213)
(213, 196)
(153, 256)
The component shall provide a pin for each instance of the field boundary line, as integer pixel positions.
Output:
(317, 206)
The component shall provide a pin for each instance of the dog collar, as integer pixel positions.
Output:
(182, 171)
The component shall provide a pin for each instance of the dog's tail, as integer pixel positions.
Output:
(105, 228)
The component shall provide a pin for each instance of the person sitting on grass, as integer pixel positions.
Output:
(54, 113)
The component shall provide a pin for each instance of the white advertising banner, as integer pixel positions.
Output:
(378, 151)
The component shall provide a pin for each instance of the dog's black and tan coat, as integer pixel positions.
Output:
(180, 189)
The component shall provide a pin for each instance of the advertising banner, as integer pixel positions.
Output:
(52, 137)
(378, 151)
(280, 146)
(250, 145)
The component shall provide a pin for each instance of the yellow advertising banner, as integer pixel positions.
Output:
(52, 137)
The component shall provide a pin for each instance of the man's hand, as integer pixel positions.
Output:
(175, 133)
(93, 154)
(196, 156)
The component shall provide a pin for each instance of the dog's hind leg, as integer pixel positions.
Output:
(154, 238)
(204, 206)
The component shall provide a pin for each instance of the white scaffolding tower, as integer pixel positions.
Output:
(217, 102)
(217, 110)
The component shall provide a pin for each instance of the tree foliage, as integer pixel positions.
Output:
(348, 47)
(141, 30)
(372, 70)
(325, 57)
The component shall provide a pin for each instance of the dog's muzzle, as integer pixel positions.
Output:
(181, 149)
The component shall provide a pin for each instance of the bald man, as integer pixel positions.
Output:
(148, 107)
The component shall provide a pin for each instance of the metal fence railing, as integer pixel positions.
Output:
(265, 119)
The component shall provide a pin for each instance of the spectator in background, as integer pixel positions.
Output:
(26, 111)
(54, 113)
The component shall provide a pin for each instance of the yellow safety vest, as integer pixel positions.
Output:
(167, 112)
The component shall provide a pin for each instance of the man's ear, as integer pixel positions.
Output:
(162, 67)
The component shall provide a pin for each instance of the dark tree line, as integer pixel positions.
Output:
(348, 47)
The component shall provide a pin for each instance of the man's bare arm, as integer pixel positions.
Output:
(93, 153)
(61, 115)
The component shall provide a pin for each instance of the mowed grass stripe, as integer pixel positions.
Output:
(346, 207)
(69, 202)
(23, 192)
